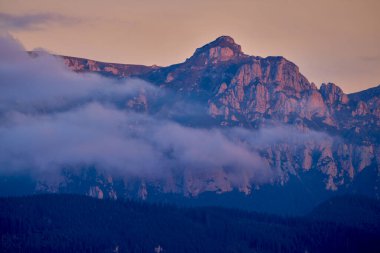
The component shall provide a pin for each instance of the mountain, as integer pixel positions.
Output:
(72, 223)
(249, 91)
(323, 142)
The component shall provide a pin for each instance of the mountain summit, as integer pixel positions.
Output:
(223, 41)
(222, 49)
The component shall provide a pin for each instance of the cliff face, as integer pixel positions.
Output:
(107, 69)
(255, 92)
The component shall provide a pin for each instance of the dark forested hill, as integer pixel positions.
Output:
(72, 223)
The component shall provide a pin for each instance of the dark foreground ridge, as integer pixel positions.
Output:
(72, 223)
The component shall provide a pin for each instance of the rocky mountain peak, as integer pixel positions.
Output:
(221, 49)
(224, 41)
(332, 94)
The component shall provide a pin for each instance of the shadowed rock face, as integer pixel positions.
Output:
(255, 92)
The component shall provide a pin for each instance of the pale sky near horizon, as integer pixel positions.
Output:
(331, 41)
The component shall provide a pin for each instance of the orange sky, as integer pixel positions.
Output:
(335, 40)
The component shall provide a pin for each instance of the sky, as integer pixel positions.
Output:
(330, 40)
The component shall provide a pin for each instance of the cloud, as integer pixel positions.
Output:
(52, 118)
(89, 135)
(123, 142)
(11, 22)
(44, 83)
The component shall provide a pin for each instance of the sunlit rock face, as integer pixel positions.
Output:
(252, 92)
(221, 50)
(108, 69)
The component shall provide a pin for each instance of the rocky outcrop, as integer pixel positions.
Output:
(108, 69)
(222, 49)
(333, 95)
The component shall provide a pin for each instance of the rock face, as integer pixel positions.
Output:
(107, 69)
(254, 92)
(221, 50)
